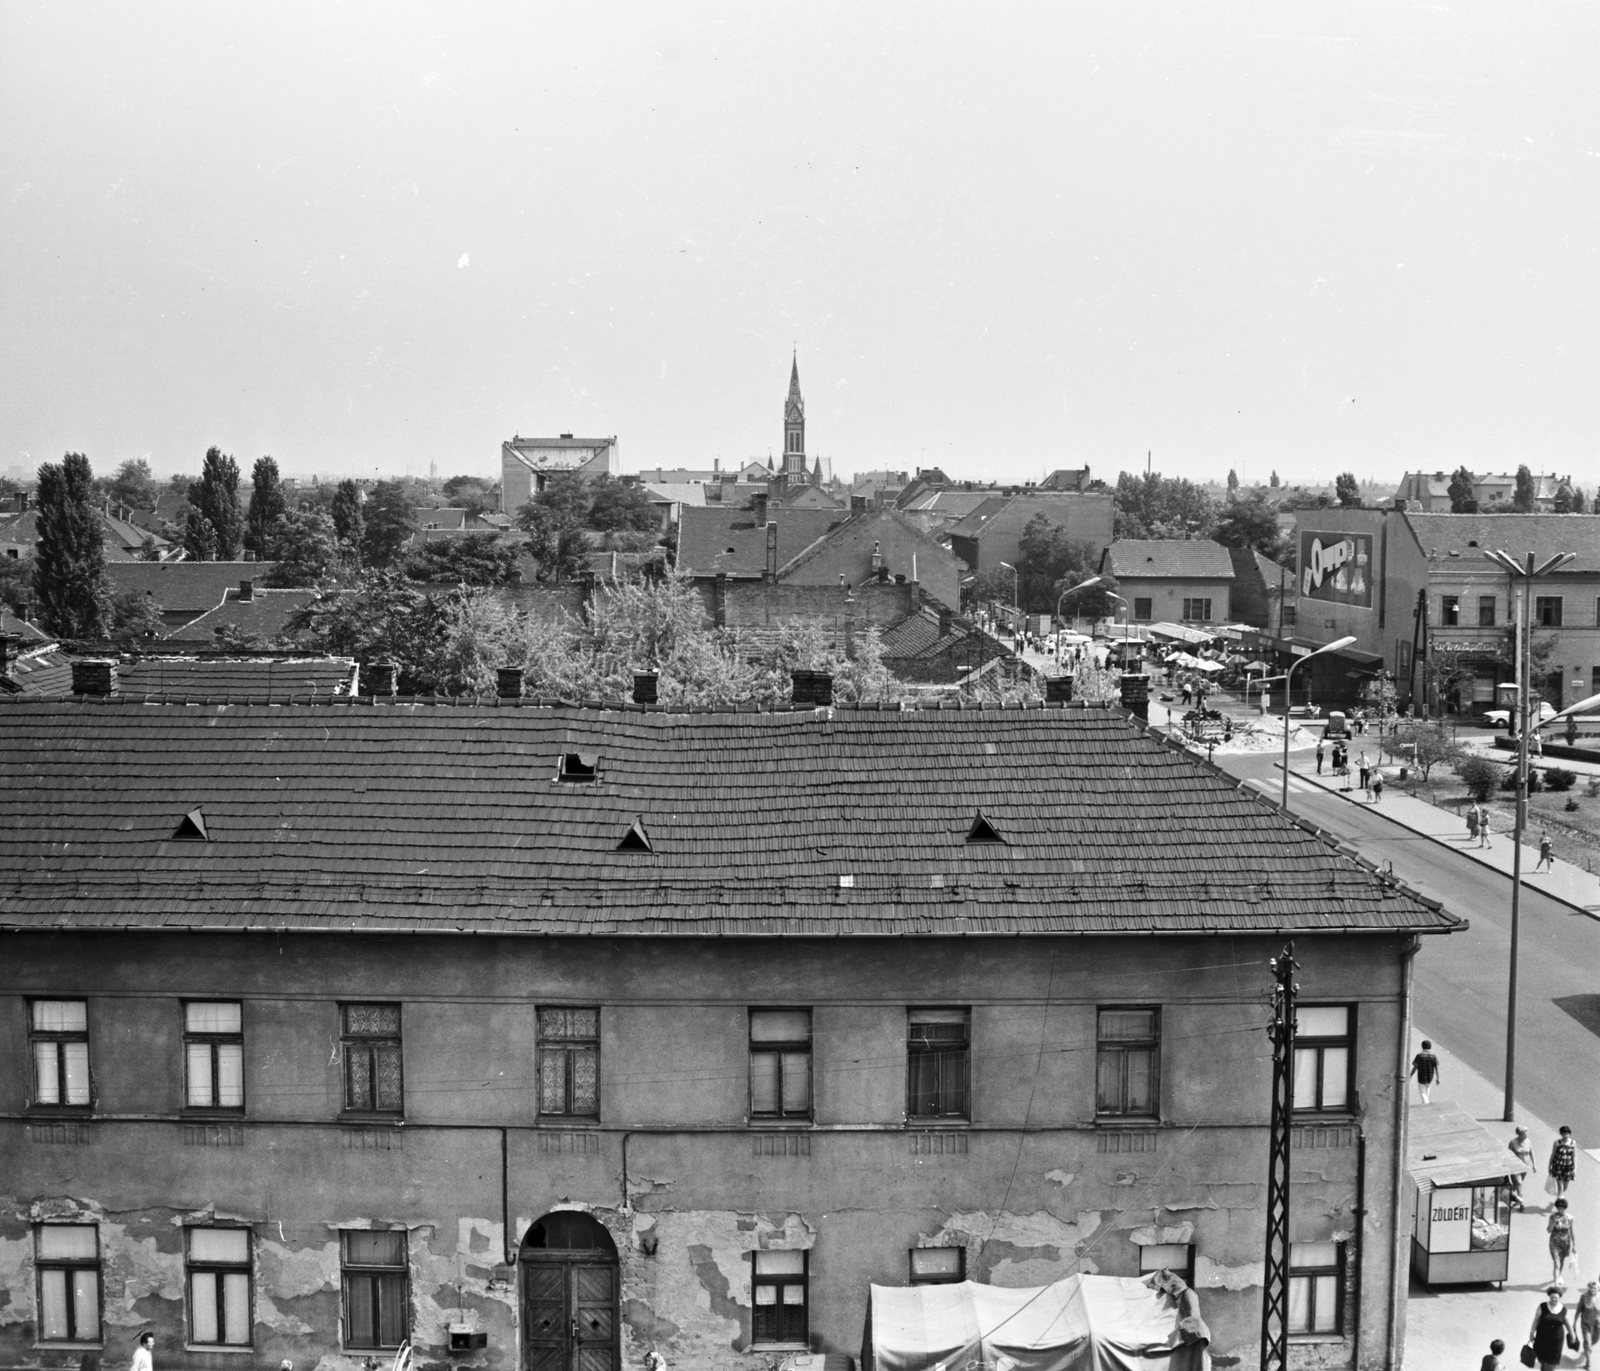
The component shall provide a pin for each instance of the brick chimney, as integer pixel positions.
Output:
(247, 591)
(10, 649)
(508, 683)
(772, 553)
(1058, 690)
(1135, 690)
(947, 620)
(94, 676)
(758, 505)
(381, 678)
(644, 687)
(813, 688)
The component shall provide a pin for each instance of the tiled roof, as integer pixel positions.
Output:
(972, 524)
(196, 586)
(917, 635)
(957, 504)
(675, 492)
(40, 672)
(706, 532)
(1179, 558)
(266, 614)
(13, 627)
(1543, 534)
(411, 815)
(237, 678)
(444, 517)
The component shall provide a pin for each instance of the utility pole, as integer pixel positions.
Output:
(1275, 1286)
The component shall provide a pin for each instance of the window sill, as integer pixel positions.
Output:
(758, 1348)
(372, 1121)
(1142, 1125)
(568, 1121)
(945, 1122)
(60, 1111)
(1308, 1339)
(228, 1349)
(198, 1115)
(772, 1121)
(69, 1346)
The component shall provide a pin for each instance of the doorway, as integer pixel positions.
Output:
(569, 1295)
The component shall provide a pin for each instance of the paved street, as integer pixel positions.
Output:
(1461, 979)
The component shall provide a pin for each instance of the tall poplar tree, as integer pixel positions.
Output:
(348, 523)
(69, 573)
(215, 497)
(267, 506)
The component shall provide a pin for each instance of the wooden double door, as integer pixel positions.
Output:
(569, 1312)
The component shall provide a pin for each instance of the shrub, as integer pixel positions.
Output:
(1509, 780)
(1535, 781)
(1571, 806)
(1559, 778)
(1592, 788)
(1479, 775)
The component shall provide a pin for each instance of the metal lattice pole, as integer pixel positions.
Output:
(1275, 1285)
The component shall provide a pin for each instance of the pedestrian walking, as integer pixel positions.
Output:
(1522, 1149)
(1365, 768)
(1552, 1327)
(1377, 786)
(1483, 827)
(1425, 1067)
(1472, 823)
(1589, 1319)
(1491, 1359)
(1563, 1243)
(1319, 756)
(1547, 854)
(144, 1353)
(1563, 1163)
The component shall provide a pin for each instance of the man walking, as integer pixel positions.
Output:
(144, 1353)
(1425, 1067)
(1320, 746)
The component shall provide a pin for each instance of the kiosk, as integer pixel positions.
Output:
(1461, 1234)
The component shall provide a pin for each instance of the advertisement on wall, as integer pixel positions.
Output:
(1336, 568)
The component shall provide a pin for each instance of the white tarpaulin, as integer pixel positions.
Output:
(1082, 1323)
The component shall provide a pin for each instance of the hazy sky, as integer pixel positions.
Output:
(367, 237)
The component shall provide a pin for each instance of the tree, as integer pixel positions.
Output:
(1578, 502)
(471, 493)
(133, 487)
(1462, 498)
(554, 521)
(1274, 482)
(474, 559)
(199, 538)
(69, 573)
(1563, 499)
(1157, 506)
(1233, 480)
(1048, 560)
(1479, 775)
(1522, 496)
(348, 522)
(16, 582)
(135, 615)
(306, 550)
(390, 522)
(1250, 522)
(1423, 745)
(1347, 490)
(267, 506)
(215, 498)
(617, 505)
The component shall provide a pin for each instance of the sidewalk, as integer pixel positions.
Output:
(1570, 884)
(1449, 1328)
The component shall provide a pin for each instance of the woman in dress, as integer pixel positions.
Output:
(1563, 1163)
(1522, 1149)
(1563, 1242)
(1552, 1326)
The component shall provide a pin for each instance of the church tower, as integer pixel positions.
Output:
(794, 430)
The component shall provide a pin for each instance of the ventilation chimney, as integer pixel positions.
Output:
(644, 687)
(247, 591)
(508, 683)
(1058, 690)
(382, 678)
(10, 648)
(812, 688)
(758, 503)
(772, 553)
(94, 676)
(1136, 694)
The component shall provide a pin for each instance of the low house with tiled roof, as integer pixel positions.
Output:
(715, 540)
(30, 662)
(263, 613)
(1181, 580)
(992, 533)
(208, 678)
(564, 1035)
(184, 590)
(936, 646)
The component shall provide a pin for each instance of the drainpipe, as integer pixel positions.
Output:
(1398, 1272)
(505, 1199)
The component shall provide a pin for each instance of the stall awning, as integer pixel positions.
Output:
(1180, 633)
(1450, 1147)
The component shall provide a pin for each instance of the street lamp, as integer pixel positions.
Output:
(1523, 575)
(1016, 597)
(1288, 681)
(1073, 590)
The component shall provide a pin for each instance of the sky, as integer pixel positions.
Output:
(367, 238)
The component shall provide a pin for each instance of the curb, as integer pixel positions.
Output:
(1462, 851)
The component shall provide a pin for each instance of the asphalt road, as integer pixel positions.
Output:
(1461, 980)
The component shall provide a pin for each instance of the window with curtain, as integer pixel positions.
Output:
(68, 1261)
(778, 1288)
(1324, 1046)
(780, 1063)
(375, 1289)
(569, 1062)
(213, 1048)
(58, 1041)
(938, 1265)
(219, 1286)
(1128, 1062)
(372, 1069)
(1316, 1287)
(938, 1063)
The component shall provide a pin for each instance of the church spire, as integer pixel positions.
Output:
(794, 427)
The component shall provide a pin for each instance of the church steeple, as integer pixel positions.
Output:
(794, 427)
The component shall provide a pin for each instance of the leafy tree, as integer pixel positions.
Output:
(1522, 496)
(471, 493)
(1479, 775)
(133, 487)
(615, 505)
(1050, 561)
(390, 521)
(474, 559)
(199, 538)
(1347, 490)
(69, 574)
(348, 521)
(554, 521)
(136, 615)
(1563, 499)
(1423, 745)
(1462, 498)
(216, 496)
(1157, 506)
(16, 582)
(232, 638)
(1579, 504)
(1233, 480)
(267, 505)
(178, 484)
(306, 550)
(1250, 522)
(1274, 481)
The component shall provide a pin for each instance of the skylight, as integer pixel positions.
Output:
(579, 766)
(982, 831)
(635, 839)
(193, 827)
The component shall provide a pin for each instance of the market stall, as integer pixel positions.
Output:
(1081, 1323)
(1461, 1234)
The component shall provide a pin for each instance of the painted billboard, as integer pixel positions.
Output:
(1336, 568)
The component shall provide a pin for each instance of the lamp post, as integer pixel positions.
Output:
(1016, 599)
(1523, 575)
(1288, 682)
(1073, 590)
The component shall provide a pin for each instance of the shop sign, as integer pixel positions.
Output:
(1450, 1219)
(1336, 568)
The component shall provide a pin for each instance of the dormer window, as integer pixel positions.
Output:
(982, 831)
(579, 766)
